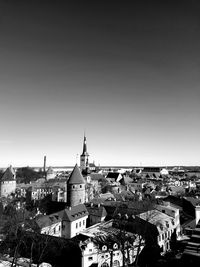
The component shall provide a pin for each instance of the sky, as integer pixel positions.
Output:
(125, 72)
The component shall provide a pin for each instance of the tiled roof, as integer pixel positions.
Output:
(47, 220)
(74, 213)
(97, 210)
(114, 175)
(8, 175)
(67, 214)
(76, 176)
(157, 218)
(92, 165)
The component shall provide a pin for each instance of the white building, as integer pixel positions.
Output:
(65, 223)
(172, 212)
(105, 254)
(165, 225)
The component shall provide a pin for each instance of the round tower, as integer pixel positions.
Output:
(75, 188)
(8, 182)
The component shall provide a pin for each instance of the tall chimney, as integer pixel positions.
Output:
(44, 168)
(45, 158)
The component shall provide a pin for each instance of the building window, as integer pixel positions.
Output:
(104, 248)
(79, 224)
(90, 258)
(83, 222)
(115, 246)
(116, 263)
(80, 186)
(76, 225)
(90, 250)
(169, 234)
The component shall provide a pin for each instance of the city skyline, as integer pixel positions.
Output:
(126, 73)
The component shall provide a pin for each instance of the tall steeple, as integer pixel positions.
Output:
(84, 147)
(84, 156)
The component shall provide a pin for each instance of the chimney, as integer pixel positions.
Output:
(44, 164)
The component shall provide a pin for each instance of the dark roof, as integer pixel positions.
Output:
(96, 176)
(92, 165)
(114, 175)
(47, 220)
(76, 176)
(73, 213)
(8, 175)
(174, 200)
(97, 210)
(194, 201)
(68, 214)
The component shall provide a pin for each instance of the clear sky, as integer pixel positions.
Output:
(126, 72)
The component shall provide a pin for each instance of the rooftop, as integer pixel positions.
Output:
(102, 229)
(158, 219)
(8, 175)
(68, 214)
(76, 176)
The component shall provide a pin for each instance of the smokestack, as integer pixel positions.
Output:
(45, 158)
(45, 174)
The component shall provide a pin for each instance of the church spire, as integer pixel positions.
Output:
(85, 153)
(84, 156)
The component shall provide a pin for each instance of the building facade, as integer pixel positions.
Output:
(98, 251)
(66, 223)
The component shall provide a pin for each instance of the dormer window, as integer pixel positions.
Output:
(115, 246)
(104, 248)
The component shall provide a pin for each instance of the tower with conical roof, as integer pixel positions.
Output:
(84, 156)
(75, 188)
(8, 182)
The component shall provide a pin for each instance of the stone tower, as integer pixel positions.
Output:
(8, 182)
(84, 156)
(75, 188)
